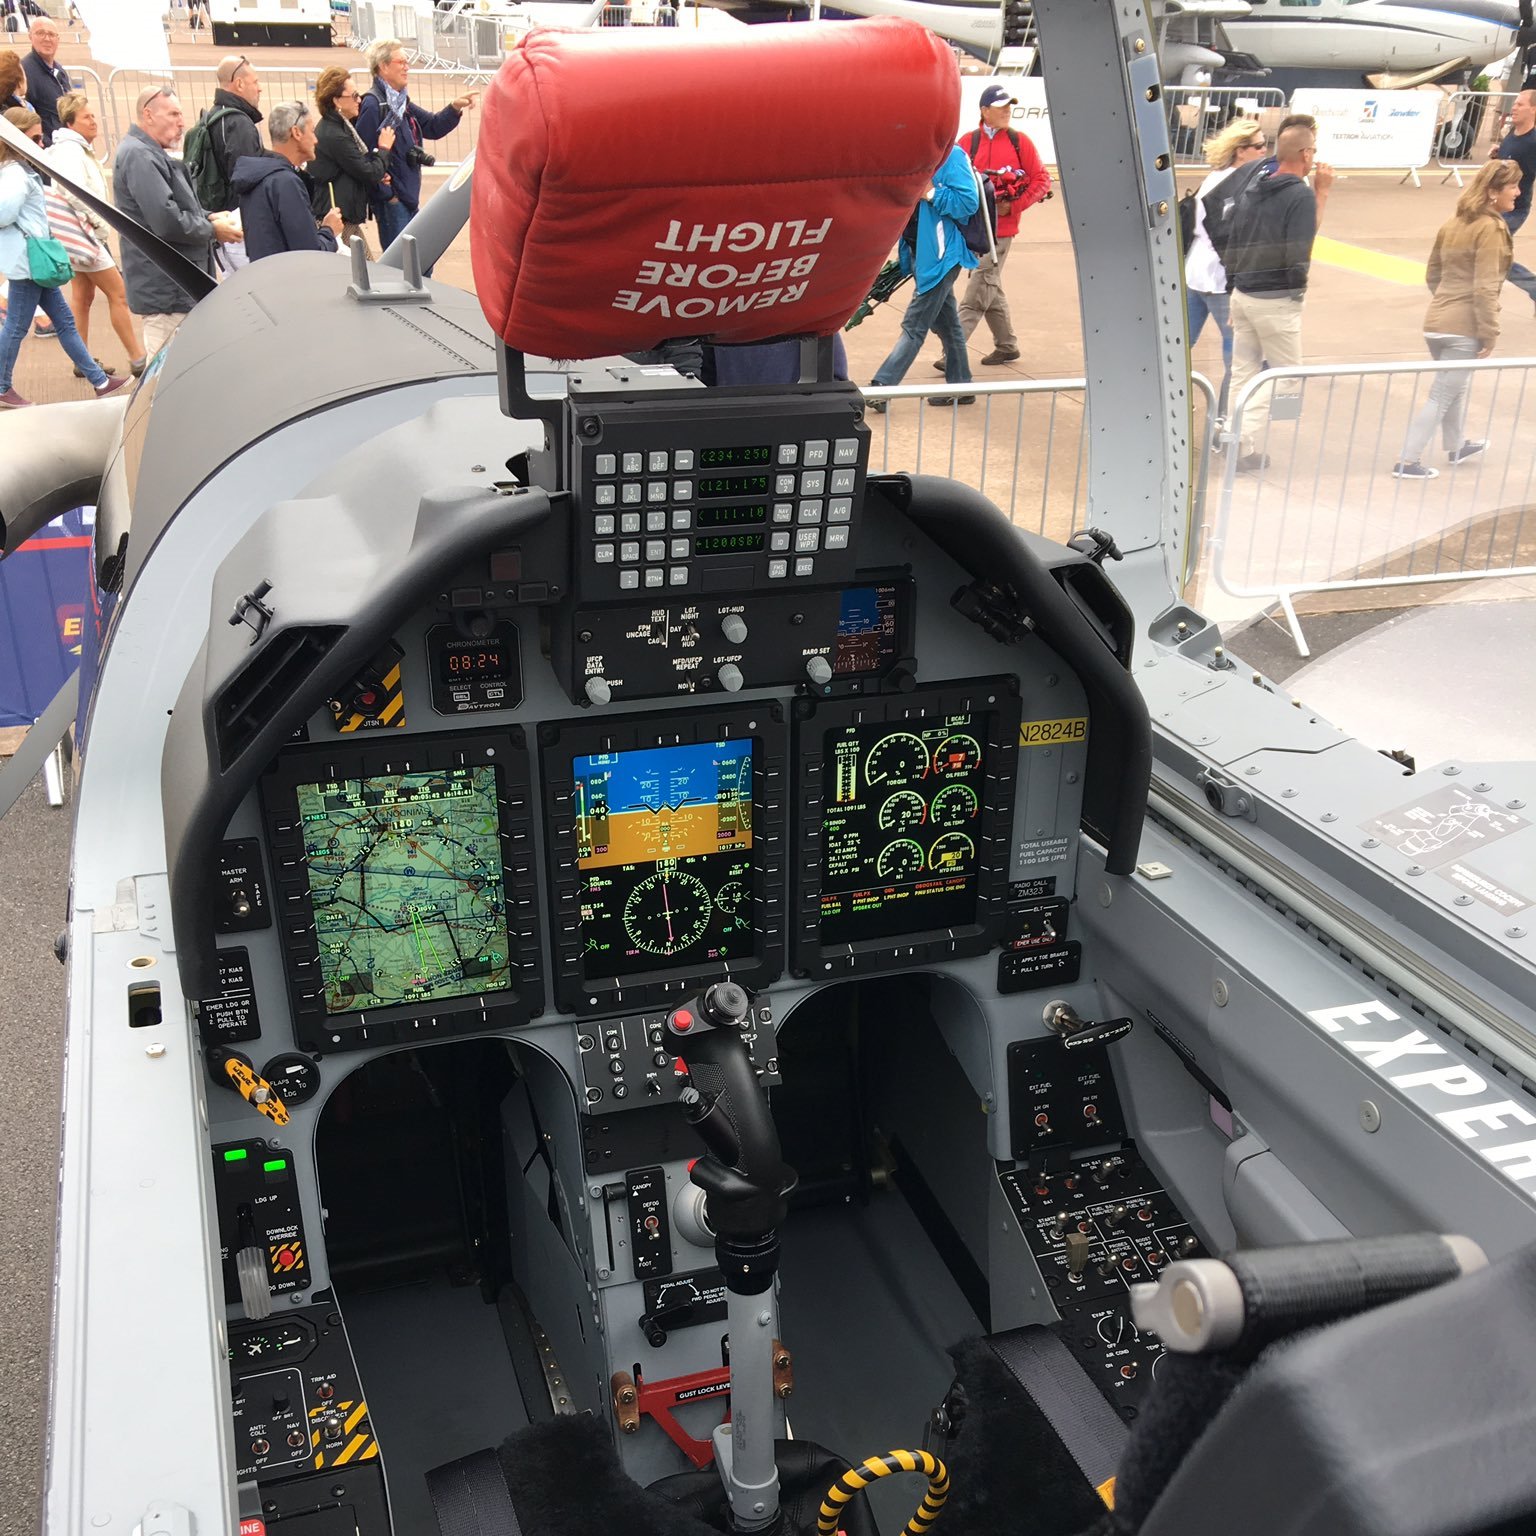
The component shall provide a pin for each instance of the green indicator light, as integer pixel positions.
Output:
(276, 1167)
(236, 1155)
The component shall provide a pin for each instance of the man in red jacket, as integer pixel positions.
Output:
(1008, 159)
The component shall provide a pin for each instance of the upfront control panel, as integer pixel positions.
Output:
(717, 499)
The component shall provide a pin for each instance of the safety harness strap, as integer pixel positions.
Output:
(1063, 1391)
(471, 1498)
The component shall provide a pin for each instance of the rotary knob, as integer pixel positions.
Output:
(819, 670)
(730, 677)
(734, 628)
(598, 691)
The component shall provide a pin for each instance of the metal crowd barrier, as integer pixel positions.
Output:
(431, 89)
(1024, 443)
(1195, 112)
(1328, 515)
(1474, 124)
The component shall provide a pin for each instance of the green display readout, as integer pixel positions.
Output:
(732, 517)
(730, 543)
(236, 1155)
(276, 1166)
(406, 882)
(735, 458)
(714, 487)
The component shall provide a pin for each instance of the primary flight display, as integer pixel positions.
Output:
(664, 851)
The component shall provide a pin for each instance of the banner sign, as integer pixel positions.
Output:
(1372, 130)
(1029, 116)
(45, 610)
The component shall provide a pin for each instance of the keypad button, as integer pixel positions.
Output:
(805, 566)
(682, 517)
(603, 525)
(681, 548)
(840, 509)
(779, 539)
(789, 453)
(677, 576)
(783, 511)
(657, 463)
(655, 549)
(628, 580)
(629, 522)
(813, 482)
(682, 490)
(837, 538)
(784, 485)
(629, 550)
(807, 540)
(777, 569)
(631, 494)
(656, 490)
(816, 456)
(810, 512)
(603, 553)
(606, 464)
(845, 451)
(634, 463)
(604, 495)
(655, 522)
(654, 576)
(682, 458)
(843, 481)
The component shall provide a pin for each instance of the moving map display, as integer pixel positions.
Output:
(899, 830)
(406, 882)
(664, 852)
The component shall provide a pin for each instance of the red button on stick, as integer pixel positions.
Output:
(682, 1021)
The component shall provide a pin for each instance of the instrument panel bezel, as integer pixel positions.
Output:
(506, 751)
(999, 696)
(561, 742)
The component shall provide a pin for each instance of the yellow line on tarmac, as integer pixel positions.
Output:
(1356, 258)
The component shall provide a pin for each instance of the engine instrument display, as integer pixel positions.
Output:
(901, 826)
(664, 856)
(407, 887)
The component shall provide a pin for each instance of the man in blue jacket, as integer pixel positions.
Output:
(936, 259)
(387, 104)
(275, 194)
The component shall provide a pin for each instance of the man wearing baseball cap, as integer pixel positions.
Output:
(1007, 158)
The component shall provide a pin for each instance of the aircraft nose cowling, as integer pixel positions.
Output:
(670, 185)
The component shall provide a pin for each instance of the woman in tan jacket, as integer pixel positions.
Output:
(1466, 269)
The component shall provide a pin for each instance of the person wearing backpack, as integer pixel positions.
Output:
(1010, 163)
(223, 135)
(1241, 143)
(934, 250)
(153, 189)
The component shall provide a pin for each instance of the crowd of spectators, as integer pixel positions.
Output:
(213, 191)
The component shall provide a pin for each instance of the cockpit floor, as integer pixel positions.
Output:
(439, 1380)
(868, 1310)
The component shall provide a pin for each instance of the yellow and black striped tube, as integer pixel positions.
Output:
(861, 1476)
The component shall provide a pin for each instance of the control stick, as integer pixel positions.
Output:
(745, 1181)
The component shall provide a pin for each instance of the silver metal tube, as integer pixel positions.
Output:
(744, 1447)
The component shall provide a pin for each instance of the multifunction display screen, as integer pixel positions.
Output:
(664, 854)
(406, 883)
(900, 827)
